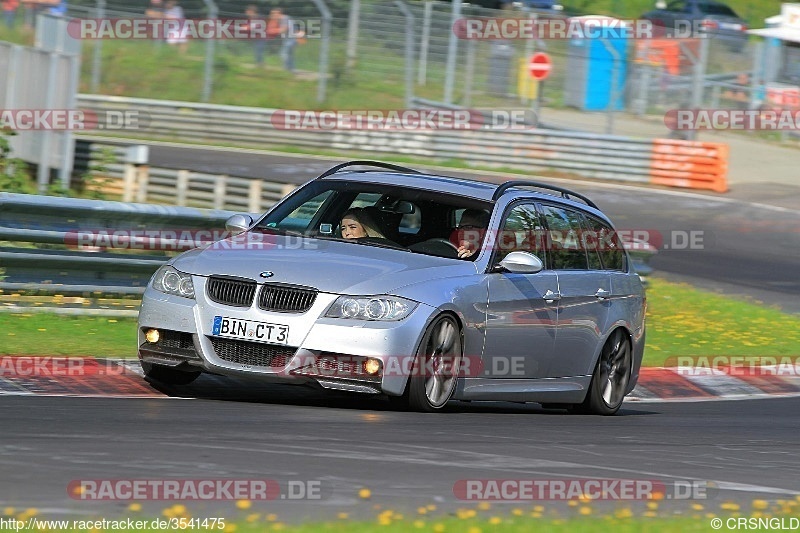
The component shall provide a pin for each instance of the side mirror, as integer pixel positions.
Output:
(522, 263)
(238, 224)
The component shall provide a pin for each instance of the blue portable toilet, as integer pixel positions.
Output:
(591, 62)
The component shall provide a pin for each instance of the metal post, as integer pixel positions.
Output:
(46, 136)
(757, 77)
(422, 72)
(409, 51)
(97, 58)
(698, 79)
(208, 72)
(470, 72)
(68, 147)
(352, 32)
(452, 54)
(324, 45)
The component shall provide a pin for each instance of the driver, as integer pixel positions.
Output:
(470, 232)
(356, 224)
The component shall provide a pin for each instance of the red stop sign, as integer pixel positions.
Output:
(539, 66)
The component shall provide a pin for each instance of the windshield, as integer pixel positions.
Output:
(716, 9)
(390, 216)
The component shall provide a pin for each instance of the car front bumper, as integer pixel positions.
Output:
(190, 344)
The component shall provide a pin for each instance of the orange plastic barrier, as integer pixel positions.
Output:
(668, 53)
(690, 164)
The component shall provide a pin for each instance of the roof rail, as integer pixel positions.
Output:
(377, 164)
(565, 193)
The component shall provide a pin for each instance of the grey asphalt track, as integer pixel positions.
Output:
(737, 451)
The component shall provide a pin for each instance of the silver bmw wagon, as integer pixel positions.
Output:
(382, 280)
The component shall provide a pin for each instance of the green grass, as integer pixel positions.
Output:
(681, 321)
(50, 334)
(628, 517)
(685, 321)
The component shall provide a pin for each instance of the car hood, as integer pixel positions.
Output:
(329, 266)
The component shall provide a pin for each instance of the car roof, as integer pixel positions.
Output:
(479, 190)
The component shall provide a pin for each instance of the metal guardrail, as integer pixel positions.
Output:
(605, 157)
(88, 247)
(72, 246)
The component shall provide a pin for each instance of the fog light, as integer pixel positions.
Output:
(372, 366)
(152, 335)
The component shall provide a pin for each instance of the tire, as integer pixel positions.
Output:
(610, 379)
(168, 375)
(436, 366)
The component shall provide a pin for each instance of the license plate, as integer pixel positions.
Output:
(250, 330)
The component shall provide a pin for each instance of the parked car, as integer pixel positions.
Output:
(708, 16)
(544, 308)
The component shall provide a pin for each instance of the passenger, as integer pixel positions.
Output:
(356, 224)
(470, 232)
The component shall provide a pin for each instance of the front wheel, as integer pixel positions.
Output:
(433, 380)
(610, 378)
(167, 375)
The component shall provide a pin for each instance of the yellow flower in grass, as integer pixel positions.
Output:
(365, 494)
(8, 511)
(253, 517)
(623, 513)
(278, 526)
(135, 507)
(484, 506)
(271, 517)
(422, 510)
(730, 506)
(517, 512)
(229, 528)
(438, 528)
(342, 516)
(465, 514)
(697, 507)
(419, 524)
(538, 509)
(495, 520)
(652, 506)
(572, 503)
(430, 507)
(243, 504)
(760, 504)
(585, 511)
(179, 509)
(474, 529)
(650, 514)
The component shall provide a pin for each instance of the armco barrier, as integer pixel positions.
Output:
(603, 157)
(691, 164)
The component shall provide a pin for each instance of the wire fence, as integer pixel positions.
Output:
(411, 51)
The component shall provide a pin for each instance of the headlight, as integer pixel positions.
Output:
(171, 281)
(371, 308)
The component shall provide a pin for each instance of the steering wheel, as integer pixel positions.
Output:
(441, 240)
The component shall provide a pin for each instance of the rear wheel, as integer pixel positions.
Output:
(168, 375)
(610, 378)
(436, 366)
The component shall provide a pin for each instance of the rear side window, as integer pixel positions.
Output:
(565, 238)
(522, 231)
(605, 240)
(716, 9)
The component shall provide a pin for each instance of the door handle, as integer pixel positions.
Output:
(551, 296)
(602, 294)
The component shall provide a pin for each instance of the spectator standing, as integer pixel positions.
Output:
(178, 37)
(10, 12)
